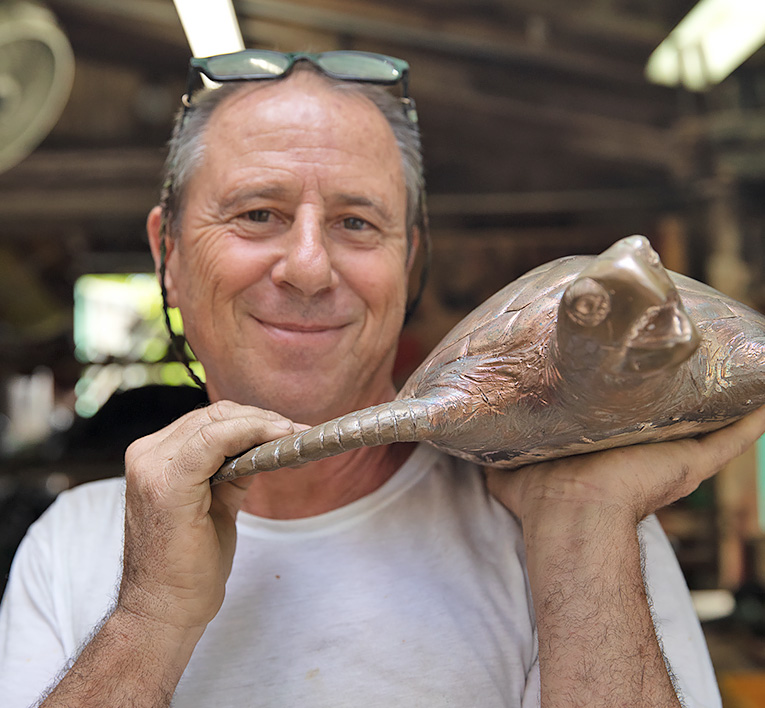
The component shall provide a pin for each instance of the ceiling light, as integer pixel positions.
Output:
(712, 40)
(211, 28)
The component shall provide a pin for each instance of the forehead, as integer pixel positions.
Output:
(308, 118)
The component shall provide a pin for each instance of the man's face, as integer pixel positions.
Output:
(290, 270)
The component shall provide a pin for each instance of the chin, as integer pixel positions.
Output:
(296, 400)
(314, 407)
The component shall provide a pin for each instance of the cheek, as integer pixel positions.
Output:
(220, 266)
(380, 280)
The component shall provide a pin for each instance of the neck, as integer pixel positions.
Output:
(322, 486)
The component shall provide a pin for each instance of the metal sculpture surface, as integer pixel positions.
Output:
(581, 354)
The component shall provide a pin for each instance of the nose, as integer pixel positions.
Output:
(305, 265)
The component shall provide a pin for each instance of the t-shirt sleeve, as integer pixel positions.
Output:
(62, 584)
(532, 697)
(31, 650)
(677, 625)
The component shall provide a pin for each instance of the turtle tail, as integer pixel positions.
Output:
(396, 421)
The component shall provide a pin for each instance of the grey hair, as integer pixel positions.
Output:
(186, 147)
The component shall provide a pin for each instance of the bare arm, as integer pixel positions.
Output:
(179, 543)
(597, 643)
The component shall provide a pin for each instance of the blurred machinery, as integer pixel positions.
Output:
(36, 75)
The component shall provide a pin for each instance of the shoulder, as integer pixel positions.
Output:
(84, 522)
(87, 507)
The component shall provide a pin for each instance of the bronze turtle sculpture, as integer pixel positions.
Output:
(581, 354)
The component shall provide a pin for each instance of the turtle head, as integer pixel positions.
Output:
(623, 314)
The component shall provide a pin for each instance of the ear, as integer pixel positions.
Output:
(413, 248)
(154, 231)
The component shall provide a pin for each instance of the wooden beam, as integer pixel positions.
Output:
(73, 168)
(77, 185)
(595, 21)
(149, 13)
(107, 203)
(575, 201)
(140, 34)
(607, 138)
(463, 37)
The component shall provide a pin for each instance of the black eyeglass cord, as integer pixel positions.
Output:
(177, 341)
(427, 248)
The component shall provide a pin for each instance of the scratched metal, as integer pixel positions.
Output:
(581, 354)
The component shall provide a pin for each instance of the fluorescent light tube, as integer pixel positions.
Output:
(712, 40)
(211, 28)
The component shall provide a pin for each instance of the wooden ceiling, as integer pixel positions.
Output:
(536, 119)
(515, 96)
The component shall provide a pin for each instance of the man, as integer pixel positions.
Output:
(386, 576)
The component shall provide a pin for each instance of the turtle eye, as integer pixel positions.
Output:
(587, 302)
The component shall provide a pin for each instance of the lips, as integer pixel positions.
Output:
(300, 327)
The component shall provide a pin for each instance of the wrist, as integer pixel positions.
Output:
(180, 616)
(168, 643)
(131, 661)
(579, 534)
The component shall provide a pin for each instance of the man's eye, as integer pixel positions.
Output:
(353, 223)
(259, 215)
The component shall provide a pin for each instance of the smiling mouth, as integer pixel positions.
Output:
(300, 328)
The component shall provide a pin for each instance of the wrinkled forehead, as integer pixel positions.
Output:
(302, 131)
(336, 112)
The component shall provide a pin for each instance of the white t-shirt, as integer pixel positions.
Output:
(415, 595)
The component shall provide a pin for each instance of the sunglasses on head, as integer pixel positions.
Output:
(264, 64)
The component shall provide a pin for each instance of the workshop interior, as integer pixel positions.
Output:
(550, 128)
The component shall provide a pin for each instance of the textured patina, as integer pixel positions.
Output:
(581, 354)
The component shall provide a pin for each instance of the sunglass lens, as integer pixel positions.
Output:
(249, 64)
(355, 65)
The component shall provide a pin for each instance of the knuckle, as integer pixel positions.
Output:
(740, 447)
(220, 410)
(131, 454)
(684, 474)
(135, 450)
(134, 465)
(686, 480)
(141, 483)
(208, 436)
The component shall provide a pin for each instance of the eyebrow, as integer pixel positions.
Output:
(245, 195)
(281, 192)
(363, 201)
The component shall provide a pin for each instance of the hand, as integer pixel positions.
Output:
(638, 479)
(179, 547)
(180, 533)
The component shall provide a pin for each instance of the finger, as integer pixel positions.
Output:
(218, 411)
(672, 470)
(165, 441)
(207, 448)
(700, 458)
(231, 495)
(725, 444)
(171, 428)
